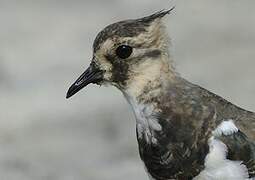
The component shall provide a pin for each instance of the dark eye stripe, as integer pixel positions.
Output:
(152, 54)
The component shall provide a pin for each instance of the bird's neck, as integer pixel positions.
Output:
(149, 80)
(146, 86)
(143, 93)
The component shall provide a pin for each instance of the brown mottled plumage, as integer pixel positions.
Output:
(182, 129)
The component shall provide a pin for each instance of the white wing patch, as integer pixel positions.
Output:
(225, 128)
(217, 167)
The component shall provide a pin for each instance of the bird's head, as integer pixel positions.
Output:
(126, 52)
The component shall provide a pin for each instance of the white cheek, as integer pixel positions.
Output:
(105, 66)
(107, 76)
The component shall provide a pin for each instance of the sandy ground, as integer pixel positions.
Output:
(46, 44)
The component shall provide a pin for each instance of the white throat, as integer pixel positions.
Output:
(142, 88)
(146, 123)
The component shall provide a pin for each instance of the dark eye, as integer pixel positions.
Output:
(124, 51)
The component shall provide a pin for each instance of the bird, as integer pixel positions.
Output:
(183, 131)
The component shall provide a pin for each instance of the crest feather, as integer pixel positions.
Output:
(156, 15)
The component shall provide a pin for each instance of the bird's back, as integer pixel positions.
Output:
(243, 119)
(189, 116)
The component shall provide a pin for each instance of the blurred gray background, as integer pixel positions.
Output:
(46, 44)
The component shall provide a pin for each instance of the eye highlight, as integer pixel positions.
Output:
(124, 51)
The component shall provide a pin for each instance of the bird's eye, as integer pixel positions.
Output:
(124, 51)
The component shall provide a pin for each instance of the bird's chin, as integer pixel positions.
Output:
(106, 83)
(98, 83)
(103, 83)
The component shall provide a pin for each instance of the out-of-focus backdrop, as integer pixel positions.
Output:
(46, 44)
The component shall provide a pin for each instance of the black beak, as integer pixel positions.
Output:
(91, 75)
